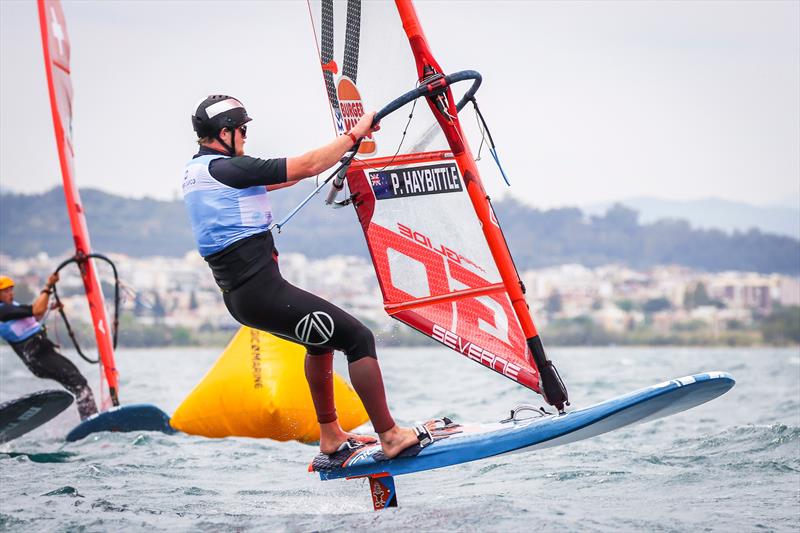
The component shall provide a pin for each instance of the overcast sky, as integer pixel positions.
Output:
(588, 101)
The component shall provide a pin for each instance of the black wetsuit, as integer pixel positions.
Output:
(40, 356)
(256, 294)
(253, 289)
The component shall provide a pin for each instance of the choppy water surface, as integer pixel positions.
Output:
(730, 465)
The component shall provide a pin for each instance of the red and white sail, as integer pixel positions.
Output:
(55, 43)
(439, 254)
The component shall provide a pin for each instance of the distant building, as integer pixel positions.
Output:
(744, 290)
(615, 297)
(614, 319)
(788, 291)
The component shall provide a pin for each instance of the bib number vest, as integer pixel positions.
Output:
(221, 215)
(14, 331)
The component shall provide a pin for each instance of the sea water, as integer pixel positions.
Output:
(730, 465)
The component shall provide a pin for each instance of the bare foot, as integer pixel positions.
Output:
(332, 436)
(363, 439)
(398, 439)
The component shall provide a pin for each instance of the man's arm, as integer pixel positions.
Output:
(241, 172)
(281, 185)
(14, 312)
(40, 304)
(317, 161)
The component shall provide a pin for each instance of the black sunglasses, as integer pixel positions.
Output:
(243, 130)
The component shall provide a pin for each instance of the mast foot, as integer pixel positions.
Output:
(553, 389)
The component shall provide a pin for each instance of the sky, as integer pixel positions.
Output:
(588, 102)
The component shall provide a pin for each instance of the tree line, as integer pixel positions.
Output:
(30, 224)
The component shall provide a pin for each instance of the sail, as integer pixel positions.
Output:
(55, 43)
(439, 254)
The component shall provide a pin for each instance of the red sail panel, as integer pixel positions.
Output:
(435, 271)
(55, 43)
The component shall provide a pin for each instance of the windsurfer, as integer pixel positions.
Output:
(226, 197)
(20, 327)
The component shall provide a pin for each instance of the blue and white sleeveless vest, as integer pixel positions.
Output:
(221, 215)
(18, 330)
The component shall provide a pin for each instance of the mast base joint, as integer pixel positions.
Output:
(550, 383)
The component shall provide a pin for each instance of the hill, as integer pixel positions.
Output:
(30, 224)
(712, 213)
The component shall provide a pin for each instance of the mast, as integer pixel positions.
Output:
(550, 383)
(55, 44)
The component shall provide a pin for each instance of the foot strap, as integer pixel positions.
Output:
(348, 445)
(423, 435)
(337, 459)
(441, 423)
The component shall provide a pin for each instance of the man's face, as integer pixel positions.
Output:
(7, 295)
(241, 138)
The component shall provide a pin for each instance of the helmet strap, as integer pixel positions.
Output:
(232, 148)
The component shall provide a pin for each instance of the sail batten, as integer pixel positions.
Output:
(449, 297)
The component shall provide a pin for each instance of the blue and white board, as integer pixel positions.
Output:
(27, 413)
(132, 417)
(472, 442)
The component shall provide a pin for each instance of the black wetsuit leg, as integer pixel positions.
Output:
(40, 356)
(268, 302)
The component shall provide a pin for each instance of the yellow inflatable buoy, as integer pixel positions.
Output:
(257, 388)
